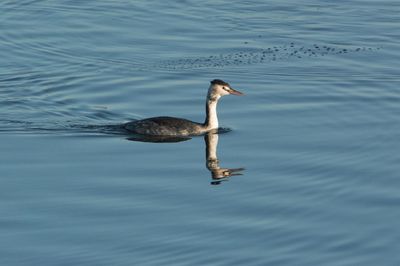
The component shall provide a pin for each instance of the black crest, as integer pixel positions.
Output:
(219, 82)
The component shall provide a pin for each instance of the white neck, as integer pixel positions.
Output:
(211, 114)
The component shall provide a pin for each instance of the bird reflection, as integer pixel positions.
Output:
(218, 174)
(157, 139)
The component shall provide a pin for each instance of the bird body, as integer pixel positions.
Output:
(172, 126)
(165, 125)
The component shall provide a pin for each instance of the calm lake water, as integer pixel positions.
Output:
(317, 133)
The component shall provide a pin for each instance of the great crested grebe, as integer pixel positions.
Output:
(172, 126)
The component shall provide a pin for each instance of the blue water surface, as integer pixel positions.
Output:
(317, 133)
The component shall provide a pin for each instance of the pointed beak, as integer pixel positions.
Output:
(235, 92)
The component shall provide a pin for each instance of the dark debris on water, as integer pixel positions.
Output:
(251, 56)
